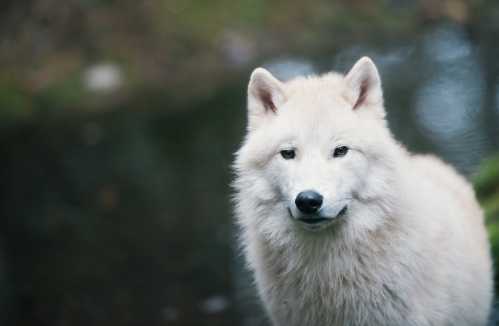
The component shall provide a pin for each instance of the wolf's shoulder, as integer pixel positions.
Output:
(442, 175)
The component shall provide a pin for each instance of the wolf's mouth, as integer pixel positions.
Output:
(317, 220)
(342, 212)
(313, 220)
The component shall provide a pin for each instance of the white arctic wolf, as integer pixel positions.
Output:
(340, 224)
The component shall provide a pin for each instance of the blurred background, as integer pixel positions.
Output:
(119, 119)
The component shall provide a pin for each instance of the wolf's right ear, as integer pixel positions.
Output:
(265, 96)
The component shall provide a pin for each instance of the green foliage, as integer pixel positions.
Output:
(486, 183)
(487, 187)
(15, 103)
(64, 94)
(487, 179)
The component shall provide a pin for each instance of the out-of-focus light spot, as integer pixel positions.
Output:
(103, 77)
(289, 68)
(448, 104)
(214, 304)
(237, 49)
(447, 43)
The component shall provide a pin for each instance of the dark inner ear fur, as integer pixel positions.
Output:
(364, 86)
(266, 99)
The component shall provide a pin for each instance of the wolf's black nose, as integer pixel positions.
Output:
(308, 202)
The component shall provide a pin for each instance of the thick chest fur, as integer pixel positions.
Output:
(330, 294)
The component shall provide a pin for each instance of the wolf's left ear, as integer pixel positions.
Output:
(265, 96)
(363, 85)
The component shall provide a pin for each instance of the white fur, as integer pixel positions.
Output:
(411, 249)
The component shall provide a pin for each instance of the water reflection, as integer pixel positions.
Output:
(448, 105)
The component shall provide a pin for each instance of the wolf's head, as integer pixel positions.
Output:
(318, 152)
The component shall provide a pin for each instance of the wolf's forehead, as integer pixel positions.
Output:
(316, 91)
(327, 83)
(311, 120)
(315, 107)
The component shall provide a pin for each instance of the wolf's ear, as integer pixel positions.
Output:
(363, 85)
(265, 96)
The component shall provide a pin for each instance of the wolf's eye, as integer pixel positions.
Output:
(340, 151)
(288, 154)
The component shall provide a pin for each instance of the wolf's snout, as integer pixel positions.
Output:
(308, 202)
